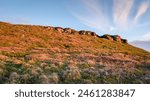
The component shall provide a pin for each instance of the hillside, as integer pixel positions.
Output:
(45, 54)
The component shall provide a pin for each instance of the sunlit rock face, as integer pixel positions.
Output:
(114, 38)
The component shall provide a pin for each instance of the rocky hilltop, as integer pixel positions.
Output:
(83, 32)
(46, 54)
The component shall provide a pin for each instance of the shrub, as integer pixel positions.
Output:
(54, 78)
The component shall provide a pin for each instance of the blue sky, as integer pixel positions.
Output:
(128, 18)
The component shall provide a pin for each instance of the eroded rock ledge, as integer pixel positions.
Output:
(83, 32)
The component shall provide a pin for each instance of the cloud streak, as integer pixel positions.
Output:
(93, 14)
(121, 11)
(141, 10)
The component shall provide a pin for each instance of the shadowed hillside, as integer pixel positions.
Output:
(45, 54)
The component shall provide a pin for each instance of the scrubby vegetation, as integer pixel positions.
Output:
(44, 72)
(39, 54)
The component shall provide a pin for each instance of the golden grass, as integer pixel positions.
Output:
(36, 54)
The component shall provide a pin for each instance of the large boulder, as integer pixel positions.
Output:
(107, 36)
(114, 38)
(59, 29)
(82, 32)
(124, 41)
(69, 30)
(50, 28)
(117, 38)
(93, 34)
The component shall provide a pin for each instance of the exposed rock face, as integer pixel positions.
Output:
(124, 41)
(59, 29)
(62, 30)
(50, 28)
(106, 36)
(69, 30)
(82, 32)
(93, 34)
(114, 38)
(117, 38)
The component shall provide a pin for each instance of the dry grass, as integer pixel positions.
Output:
(36, 54)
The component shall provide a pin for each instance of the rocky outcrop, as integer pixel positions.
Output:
(82, 32)
(62, 30)
(59, 29)
(114, 38)
(106, 36)
(69, 30)
(117, 38)
(50, 28)
(124, 41)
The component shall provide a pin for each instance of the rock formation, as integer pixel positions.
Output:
(83, 32)
(69, 30)
(114, 38)
(106, 36)
(59, 29)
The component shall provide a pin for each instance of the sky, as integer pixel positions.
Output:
(127, 18)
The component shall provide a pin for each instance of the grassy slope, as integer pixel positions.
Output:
(42, 50)
(28, 37)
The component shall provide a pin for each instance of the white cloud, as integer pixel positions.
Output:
(93, 15)
(141, 10)
(121, 11)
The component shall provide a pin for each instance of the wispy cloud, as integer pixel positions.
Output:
(121, 11)
(94, 17)
(141, 10)
(94, 14)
